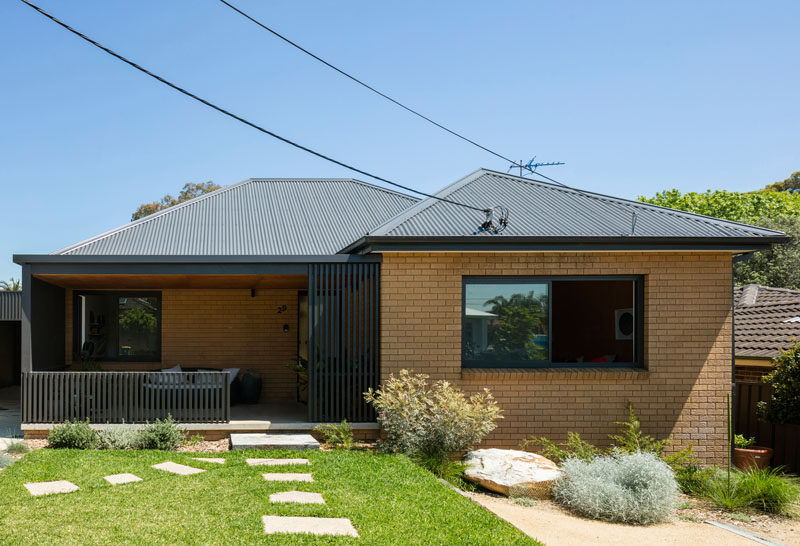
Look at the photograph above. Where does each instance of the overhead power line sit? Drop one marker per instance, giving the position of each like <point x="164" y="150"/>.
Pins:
<point x="487" y="211"/>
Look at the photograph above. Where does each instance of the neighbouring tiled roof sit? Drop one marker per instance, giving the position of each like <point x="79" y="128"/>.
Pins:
<point x="766" y="320"/>
<point x="256" y="217"/>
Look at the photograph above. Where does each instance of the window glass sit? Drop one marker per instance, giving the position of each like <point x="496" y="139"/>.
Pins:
<point x="506" y="322"/>
<point x="117" y="326"/>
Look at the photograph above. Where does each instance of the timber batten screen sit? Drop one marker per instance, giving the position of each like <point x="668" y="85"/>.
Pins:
<point x="343" y="302"/>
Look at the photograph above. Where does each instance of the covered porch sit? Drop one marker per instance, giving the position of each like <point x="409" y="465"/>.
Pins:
<point x="127" y="339"/>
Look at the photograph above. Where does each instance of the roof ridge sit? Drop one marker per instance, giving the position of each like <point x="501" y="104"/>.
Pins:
<point x="351" y="180"/>
<point x="630" y="202"/>
<point x="152" y="217"/>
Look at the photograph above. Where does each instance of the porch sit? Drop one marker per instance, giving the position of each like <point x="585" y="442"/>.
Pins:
<point x="133" y="341"/>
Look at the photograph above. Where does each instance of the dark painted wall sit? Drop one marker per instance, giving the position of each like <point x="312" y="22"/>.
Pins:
<point x="9" y="352"/>
<point x="47" y="328"/>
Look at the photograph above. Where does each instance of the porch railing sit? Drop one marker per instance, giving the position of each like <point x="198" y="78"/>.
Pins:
<point x="125" y="397"/>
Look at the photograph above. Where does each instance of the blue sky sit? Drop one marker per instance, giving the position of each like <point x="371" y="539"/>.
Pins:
<point x="634" y="96"/>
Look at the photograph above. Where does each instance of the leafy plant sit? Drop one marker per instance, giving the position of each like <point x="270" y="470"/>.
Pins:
<point x="163" y="434"/>
<point x="450" y="470"/>
<point x="742" y="442"/>
<point x="337" y="435"/>
<point x="575" y="447"/>
<point x="116" y="437"/>
<point x="17" y="448"/>
<point x="138" y="320"/>
<point x="524" y="501"/>
<point x="12" y="285"/>
<point x="784" y="404"/>
<point x="637" y="488"/>
<point x="73" y="435"/>
<point x="196" y="439"/>
<point x="5" y="460"/>
<point x="764" y="489"/>
<point x="431" y="421"/>
<point x="738" y="516"/>
<point x="631" y="438"/>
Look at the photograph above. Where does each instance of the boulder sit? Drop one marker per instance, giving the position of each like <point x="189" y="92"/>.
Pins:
<point x="511" y="472"/>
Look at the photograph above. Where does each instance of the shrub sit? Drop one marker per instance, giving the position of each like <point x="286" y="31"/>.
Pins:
<point x="431" y="422"/>
<point x="73" y="435"/>
<point x="575" y="447"/>
<point x="5" y="460"/>
<point x="17" y="448"/>
<point x="631" y="439"/>
<point x="784" y="404"/>
<point x="636" y="488"/>
<point x="765" y="489"/>
<point x="742" y="442"/>
<point x="340" y="435"/>
<point x="163" y="435"/>
<point x="117" y="437"/>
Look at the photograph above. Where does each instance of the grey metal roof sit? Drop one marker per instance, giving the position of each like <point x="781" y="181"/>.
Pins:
<point x="10" y="305"/>
<point x="541" y="209"/>
<point x="256" y="217"/>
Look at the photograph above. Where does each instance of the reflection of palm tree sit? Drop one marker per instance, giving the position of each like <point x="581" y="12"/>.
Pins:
<point x="520" y="319"/>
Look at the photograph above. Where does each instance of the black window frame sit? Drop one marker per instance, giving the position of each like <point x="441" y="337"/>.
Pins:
<point x="76" y="320"/>
<point x="638" y="329"/>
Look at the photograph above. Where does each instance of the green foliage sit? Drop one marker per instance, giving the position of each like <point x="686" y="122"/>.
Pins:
<point x="779" y="266"/>
<point x="195" y="439"/>
<point x="518" y="317"/>
<point x="445" y="468"/>
<point x="116" y="437"/>
<point x="637" y="488"/>
<point x="764" y="489"/>
<point x="17" y="448"/>
<point x="431" y="421"/>
<point x="337" y="435"/>
<point x="729" y="205"/>
<point x="164" y="435"/>
<point x="138" y="320"/>
<point x="631" y="438"/>
<point x="784" y="404"/>
<point x="73" y="435"/>
<point x="574" y="447"/>
<point x="791" y="183"/>
<point x="524" y="501"/>
<point x="738" y="516"/>
<point x="190" y="191"/>
<point x="12" y="285"/>
<point x="742" y="442"/>
<point x="5" y="460"/>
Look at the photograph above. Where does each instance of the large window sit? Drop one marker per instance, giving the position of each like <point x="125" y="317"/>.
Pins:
<point x="117" y="326"/>
<point x="513" y="322"/>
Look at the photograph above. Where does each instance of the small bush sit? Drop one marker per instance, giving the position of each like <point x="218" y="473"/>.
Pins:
<point x="117" y="437"/>
<point x="637" y="488"/>
<point x="575" y="447"/>
<point x="433" y="421"/>
<point x="631" y="439"/>
<point x="5" y="460"/>
<point x="784" y="404"/>
<point x="740" y="441"/>
<point x="340" y="435"/>
<point x="764" y="489"/>
<point x="196" y="439"/>
<point x="73" y="435"/>
<point x="163" y="435"/>
<point x="17" y="448"/>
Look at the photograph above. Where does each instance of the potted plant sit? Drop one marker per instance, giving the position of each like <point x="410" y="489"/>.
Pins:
<point x="746" y="455"/>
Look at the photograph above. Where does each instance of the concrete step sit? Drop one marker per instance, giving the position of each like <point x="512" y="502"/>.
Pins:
<point x="273" y="441"/>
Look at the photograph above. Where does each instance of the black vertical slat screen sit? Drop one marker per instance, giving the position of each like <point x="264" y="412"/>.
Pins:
<point x="125" y="397"/>
<point x="343" y="337"/>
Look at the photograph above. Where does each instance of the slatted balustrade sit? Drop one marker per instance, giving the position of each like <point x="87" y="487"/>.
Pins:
<point x="125" y="397"/>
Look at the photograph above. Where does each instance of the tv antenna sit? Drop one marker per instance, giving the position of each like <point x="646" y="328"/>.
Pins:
<point x="530" y="167"/>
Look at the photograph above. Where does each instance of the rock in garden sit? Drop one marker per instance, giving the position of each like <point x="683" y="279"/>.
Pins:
<point x="511" y="472"/>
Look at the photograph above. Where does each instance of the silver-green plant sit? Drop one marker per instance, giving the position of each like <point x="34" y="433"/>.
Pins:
<point x="636" y="488"/>
<point x="116" y="437"/>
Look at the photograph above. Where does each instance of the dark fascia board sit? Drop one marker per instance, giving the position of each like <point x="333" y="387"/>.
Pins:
<point x="179" y="265"/>
<point x="508" y="243"/>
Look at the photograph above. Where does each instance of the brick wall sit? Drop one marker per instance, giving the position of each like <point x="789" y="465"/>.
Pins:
<point x="681" y="394"/>
<point x="221" y="329"/>
<point x="751" y="374"/>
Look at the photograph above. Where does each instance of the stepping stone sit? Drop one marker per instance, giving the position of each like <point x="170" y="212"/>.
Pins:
<point x="48" y="488"/>
<point x="218" y="460"/>
<point x="312" y="526"/>
<point x="176" y="468"/>
<point x="299" y="497"/>
<point x="118" y="479"/>
<point x="273" y="441"/>
<point x="275" y="462"/>
<point x="286" y="477"/>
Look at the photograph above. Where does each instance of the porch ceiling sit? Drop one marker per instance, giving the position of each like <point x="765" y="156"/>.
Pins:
<point x="299" y="282"/>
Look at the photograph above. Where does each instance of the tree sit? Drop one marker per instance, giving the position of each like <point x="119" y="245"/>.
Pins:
<point x="779" y="266"/>
<point x="519" y="319"/>
<point x="790" y="184"/>
<point x="12" y="285"/>
<point x="190" y="191"/>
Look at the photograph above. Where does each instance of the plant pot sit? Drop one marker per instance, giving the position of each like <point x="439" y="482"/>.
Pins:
<point x="755" y="456"/>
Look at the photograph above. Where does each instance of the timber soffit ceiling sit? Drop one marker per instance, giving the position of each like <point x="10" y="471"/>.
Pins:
<point x="256" y="217"/>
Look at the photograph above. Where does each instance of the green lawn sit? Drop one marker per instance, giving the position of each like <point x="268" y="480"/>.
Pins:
<point x="388" y="499"/>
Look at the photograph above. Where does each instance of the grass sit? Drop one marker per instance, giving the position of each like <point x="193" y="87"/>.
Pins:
<point x="767" y="490"/>
<point x="17" y="448"/>
<point x="387" y="497"/>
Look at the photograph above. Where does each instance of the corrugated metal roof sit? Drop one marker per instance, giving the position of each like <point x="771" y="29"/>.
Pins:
<point x="540" y="209"/>
<point x="256" y="217"/>
<point x="10" y="305"/>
